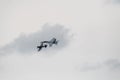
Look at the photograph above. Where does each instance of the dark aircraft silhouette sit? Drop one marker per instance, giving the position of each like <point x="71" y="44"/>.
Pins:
<point x="50" y="43"/>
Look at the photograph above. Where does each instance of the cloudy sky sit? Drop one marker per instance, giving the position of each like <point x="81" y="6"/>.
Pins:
<point x="88" y="34"/>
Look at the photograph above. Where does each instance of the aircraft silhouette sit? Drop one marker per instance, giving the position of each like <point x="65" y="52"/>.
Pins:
<point x="50" y="43"/>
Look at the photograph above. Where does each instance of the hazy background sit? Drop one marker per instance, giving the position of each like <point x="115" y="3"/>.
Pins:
<point x="88" y="31"/>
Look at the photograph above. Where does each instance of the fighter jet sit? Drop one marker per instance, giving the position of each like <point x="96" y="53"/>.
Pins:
<point x="50" y="43"/>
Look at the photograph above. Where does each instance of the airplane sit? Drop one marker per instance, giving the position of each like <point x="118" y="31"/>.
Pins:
<point x="51" y="42"/>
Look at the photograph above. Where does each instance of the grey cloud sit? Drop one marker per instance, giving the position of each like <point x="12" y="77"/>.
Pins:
<point x="113" y="1"/>
<point x="28" y="43"/>
<point x="88" y="67"/>
<point x="111" y="64"/>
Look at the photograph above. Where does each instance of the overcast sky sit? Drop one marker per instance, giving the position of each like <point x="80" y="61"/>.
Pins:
<point x="88" y="31"/>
